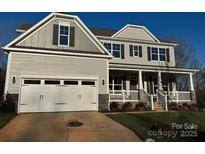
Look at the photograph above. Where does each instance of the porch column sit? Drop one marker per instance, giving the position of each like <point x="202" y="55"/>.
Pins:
<point x="141" y="91"/>
<point x="159" y="81"/>
<point x="140" y="80"/>
<point x="192" y="91"/>
<point x="191" y="82"/>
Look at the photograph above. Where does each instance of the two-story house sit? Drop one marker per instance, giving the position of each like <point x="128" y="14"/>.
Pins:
<point x="59" y="64"/>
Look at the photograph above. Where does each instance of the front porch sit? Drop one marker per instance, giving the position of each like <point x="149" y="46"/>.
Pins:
<point x="155" y="88"/>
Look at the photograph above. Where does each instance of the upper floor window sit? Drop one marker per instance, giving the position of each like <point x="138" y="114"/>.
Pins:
<point x="64" y="35"/>
<point x="114" y="49"/>
<point x="159" y="54"/>
<point x="162" y="54"/>
<point x="108" y="46"/>
<point x="154" y="53"/>
<point x="116" y="52"/>
<point x="135" y="50"/>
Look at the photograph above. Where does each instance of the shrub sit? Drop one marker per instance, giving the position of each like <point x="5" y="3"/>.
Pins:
<point x="186" y="107"/>
<point x="7" y="104"/>
<point x="193" y="107"/>
<point x="174" y="106"/>
<point x="128" y="106"/>
<point x="141" y="106"/>
<point x="116" y="107"/>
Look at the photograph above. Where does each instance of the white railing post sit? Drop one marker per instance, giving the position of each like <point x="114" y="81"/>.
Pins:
<point x="152" y="103"/>
<point x="177" y="96"/>
<point x="166" y="107"/>
<point x="123" y="95"/>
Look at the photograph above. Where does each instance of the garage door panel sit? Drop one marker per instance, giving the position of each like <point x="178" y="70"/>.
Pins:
<point x="50" y="98"/>
<point x="30" y="98"/>
<point x="69" y="97"/>
<point x="88" y="97"/>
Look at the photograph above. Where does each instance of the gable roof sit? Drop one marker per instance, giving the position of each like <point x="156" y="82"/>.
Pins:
<point x="135" y="26"/>
<point x="30" y="29"/>
<point x="96" y="31"/>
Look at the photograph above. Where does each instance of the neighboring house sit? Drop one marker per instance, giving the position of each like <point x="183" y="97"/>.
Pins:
<point x="59" y="64"/>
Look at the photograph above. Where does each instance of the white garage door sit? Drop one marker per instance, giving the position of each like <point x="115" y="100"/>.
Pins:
<point x="58" y="95"/>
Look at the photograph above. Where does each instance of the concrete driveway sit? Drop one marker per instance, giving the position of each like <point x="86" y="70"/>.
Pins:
<point x="51" y="127"/>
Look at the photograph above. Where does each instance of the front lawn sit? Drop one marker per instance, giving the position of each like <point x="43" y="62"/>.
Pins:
<point x="165" y="126"/>
<point x="5" y="118"/>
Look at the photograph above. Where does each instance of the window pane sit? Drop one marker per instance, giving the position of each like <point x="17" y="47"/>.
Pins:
<point x="52" y="82"/>
<point x="116" y="54"/>
<point x="88" y="83"/>
<point x="135" y="47"/>
<point x="154" y="57"/>
<point x="70" y="82"/>
<point x="108" y="46"/>
<point x="116" y="47"/>
<point x="32" y="82"/>
<point x="64" y="40"/>
<point x="135" y="53"/>
<point x="162" y="58"/>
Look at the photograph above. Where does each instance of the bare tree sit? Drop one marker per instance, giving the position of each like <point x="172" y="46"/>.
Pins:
<point x="7" y="33"/>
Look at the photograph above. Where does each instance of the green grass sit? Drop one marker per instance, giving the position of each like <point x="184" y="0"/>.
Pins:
<point x="5" y="118"/>
<point x="143" y="123"/>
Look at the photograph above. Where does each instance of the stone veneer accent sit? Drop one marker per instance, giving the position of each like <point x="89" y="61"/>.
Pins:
<point x="103" y="102"/>
<point x="193" y="97"/>
<point x="142" y="96"/>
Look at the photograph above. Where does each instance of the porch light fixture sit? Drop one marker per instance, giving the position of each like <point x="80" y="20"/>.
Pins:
<point x="13" y="79"/>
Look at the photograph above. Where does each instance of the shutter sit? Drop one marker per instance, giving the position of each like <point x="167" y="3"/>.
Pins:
<point x="72" y="37"/>
<point x="167" y="54"/>
<point x="140" y="51"/>
<point x="122" y="51"/>
<point x="131" y="50"/>
<point x="149" y="53"/>
<point x="55" y="34"/>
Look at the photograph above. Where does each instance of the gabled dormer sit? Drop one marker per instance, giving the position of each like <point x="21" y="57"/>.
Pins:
<point x="135" y="32"/>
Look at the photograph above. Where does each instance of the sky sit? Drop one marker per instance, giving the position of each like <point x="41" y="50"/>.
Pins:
<point x="187" y="26"/>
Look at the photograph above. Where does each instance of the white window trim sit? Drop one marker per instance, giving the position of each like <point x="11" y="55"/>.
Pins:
<point x="133" y="50"/>
<point x="68" y="25"/>
<point x="159" y="55"/>
<point x="112" y="49"/>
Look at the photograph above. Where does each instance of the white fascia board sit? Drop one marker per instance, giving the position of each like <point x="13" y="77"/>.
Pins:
<point x="153" y="68"/>
<point x="54" y="52"/>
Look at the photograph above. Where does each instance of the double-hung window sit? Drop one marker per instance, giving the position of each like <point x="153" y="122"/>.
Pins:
<point x="155" y="54"/>
<point x="114" y="49"/>
<point x="162" y="54"/>
<point x="116" y="52"/>
<point x="64" y="35"/>
<point x="136" y="50"/>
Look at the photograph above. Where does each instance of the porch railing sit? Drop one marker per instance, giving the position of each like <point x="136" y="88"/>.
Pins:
<point x="149" y="100"/>
<point x="162" y="99"/>
<point x="123" y="95"/>
<point x="179" y="96"/>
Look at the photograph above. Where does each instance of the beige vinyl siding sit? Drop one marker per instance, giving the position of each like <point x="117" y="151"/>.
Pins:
<point x="44" y="65"/>
<point x="43" y="38"/>
<point x="144" y="59"/>
<point x="135" y="33"/>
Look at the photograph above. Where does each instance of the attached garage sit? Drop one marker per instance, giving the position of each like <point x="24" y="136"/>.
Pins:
<point x="54" y="95"/>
